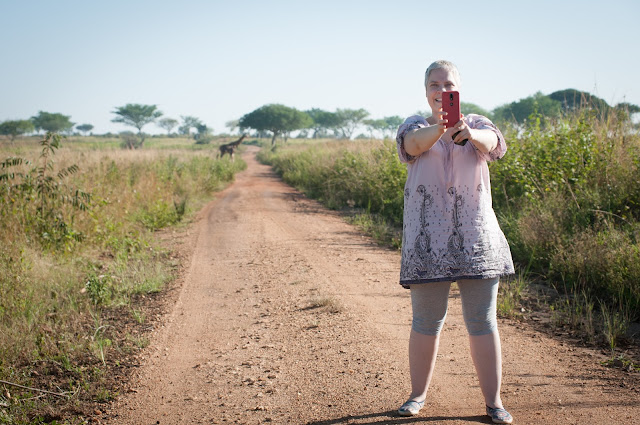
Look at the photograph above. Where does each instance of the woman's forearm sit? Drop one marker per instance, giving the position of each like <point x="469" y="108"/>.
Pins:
<point x="421" y="140"/>
<point x="485" y="140"/>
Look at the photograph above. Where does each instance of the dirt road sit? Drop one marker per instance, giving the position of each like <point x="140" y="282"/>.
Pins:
<point x="286" y="314"/>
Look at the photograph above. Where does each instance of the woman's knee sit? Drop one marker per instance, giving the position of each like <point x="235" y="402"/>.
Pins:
<point x="429" y="303"/>
<point x="479" y="298"/>
<point x="427" y="326"/>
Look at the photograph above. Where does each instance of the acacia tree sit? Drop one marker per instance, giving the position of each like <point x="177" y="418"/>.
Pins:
<point x="167" y="124"/>
<point x="375" y="125"/>
<point x="136" y="115"/>
<point x="85" y="128"/>
<point x="188" y="122"/>
<point x="323" y="121"/>
<point x="16" y="128"/>
<point x="276" y="118"/>
<point x="393" y="122"/>
<point x="349" y="119"/>
<point x="232" y="125"/>
<point x="52" y="122"/>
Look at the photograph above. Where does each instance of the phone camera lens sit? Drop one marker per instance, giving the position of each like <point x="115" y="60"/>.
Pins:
<point x="451" y="96"/>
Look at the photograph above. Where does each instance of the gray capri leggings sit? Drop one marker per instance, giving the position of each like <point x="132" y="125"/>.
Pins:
<point x="430" y="300"/>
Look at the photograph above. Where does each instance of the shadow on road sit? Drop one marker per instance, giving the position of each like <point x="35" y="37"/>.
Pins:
<point x="391" y="417"/>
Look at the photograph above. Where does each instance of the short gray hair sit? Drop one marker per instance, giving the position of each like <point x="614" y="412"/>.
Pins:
<point x="442" y="64"/>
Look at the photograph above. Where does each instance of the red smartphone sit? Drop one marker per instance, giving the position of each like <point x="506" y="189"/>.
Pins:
<point x="451" y="105"/>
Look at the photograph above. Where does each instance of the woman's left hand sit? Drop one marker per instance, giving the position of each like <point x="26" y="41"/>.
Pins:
<point x="461" y="132"/>
<point x="485" y="140"/>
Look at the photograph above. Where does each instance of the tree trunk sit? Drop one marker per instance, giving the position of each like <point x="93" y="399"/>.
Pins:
<point x="141" y="135"/>
<point x="273" y="139"/>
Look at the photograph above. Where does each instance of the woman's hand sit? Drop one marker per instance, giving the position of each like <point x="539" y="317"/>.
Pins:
<point x="421" y="140"/>
<point x="461" y="132"/>
<point x="440" y="121"/>
<point x="485" y="140"/>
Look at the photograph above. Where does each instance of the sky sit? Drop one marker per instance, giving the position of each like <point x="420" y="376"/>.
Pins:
<point x="218" y="60"/>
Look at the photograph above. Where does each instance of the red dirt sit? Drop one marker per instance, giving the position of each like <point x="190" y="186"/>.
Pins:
<point x="286" y="314"/>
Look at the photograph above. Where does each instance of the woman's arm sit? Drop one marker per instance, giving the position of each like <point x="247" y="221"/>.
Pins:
<point x="484" y="139"/>
<point x="420" y="140"/>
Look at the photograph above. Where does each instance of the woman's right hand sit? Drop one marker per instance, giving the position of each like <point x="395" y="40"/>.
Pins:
<point x="421" y="140"/>
<point x="441" y="121"/>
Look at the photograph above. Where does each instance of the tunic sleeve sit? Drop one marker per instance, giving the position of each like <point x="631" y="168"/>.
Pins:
<point x="411" y="123"/>
<point x="483" y="123"/>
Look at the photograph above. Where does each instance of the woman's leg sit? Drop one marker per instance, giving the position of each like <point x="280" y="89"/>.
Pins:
<point x="423" y="350"/>
<point x="487" y="358"/>
<point x="479" y="299"/>
<point x="429" y="304"/>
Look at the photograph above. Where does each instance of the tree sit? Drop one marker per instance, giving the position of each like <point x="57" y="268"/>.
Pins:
<point x="629" y="107"/>
<point x="626" y="110"/>
<point x="323" y="121"/>
<point x="167" y="124"/>
<point x="136" y="115"/>
<point x="572" y="99"/>
<point x="393" y="122"/>
<point x="349" y="119"/>
<point x="386" y="126"/>
<point x="203" y="135"/>
<point x="52" y="122"/>
<point x="232" y="125"/>
<point x="188" y="122"/>
<point x="16" y="128"/>
<point x="375" y="125"/>
<point x="85" y="128"/>
<point x="519" y="111"/>
<point x="467" y="108"/>
<point x="278" y="119"/>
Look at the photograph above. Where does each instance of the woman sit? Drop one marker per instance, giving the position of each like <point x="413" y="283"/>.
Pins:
<point x="451" y="234"/>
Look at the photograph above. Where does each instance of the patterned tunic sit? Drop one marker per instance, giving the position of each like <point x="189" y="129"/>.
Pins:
<point x="450" y="230"/>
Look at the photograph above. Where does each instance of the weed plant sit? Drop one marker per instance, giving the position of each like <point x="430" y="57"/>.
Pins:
<point x="77" y="235"/>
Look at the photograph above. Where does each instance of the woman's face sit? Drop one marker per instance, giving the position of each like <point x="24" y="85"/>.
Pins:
<point x="440" y="80"/>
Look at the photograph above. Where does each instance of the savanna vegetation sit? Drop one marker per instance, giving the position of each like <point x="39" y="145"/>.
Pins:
<point x="81" y="256"/>
<point x="80" y="218"/>
<point x="566" y="194"/>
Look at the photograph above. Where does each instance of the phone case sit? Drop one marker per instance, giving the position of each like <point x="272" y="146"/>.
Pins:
<point x="451" y="105"/>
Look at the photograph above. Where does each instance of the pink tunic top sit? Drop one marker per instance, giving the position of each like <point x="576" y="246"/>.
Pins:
<point x="450" y="230"/>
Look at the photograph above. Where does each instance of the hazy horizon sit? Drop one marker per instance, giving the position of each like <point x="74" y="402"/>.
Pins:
<point x="218" y="60"/>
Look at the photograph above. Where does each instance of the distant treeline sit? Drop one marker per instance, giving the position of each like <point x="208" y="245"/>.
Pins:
<point x="275" y="120"/>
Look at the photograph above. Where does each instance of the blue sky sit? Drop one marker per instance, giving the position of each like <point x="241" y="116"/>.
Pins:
<point x="218" y="60"/>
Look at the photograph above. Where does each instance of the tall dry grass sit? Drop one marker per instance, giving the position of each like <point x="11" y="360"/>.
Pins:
<point x="63" y="267"/>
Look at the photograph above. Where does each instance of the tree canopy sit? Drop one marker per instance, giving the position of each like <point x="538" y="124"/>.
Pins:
<point x="572" y="99"/>
<point x="276" y="118"/>
<point x="560" y="102"/>
<point x="471" y="108"/>
<point x="323" y="121"/>
<point x="53" y="122"/>
<point x="16" y="128"/>
<point x="136" y="115"/>
<point x="519" y="111"/>
<point x="85" y="128"/>
<point x="349" y="119"/>
<point x="188" y="122"/>
<point x="167" y="124"/>
<point x="232" y="125"/>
